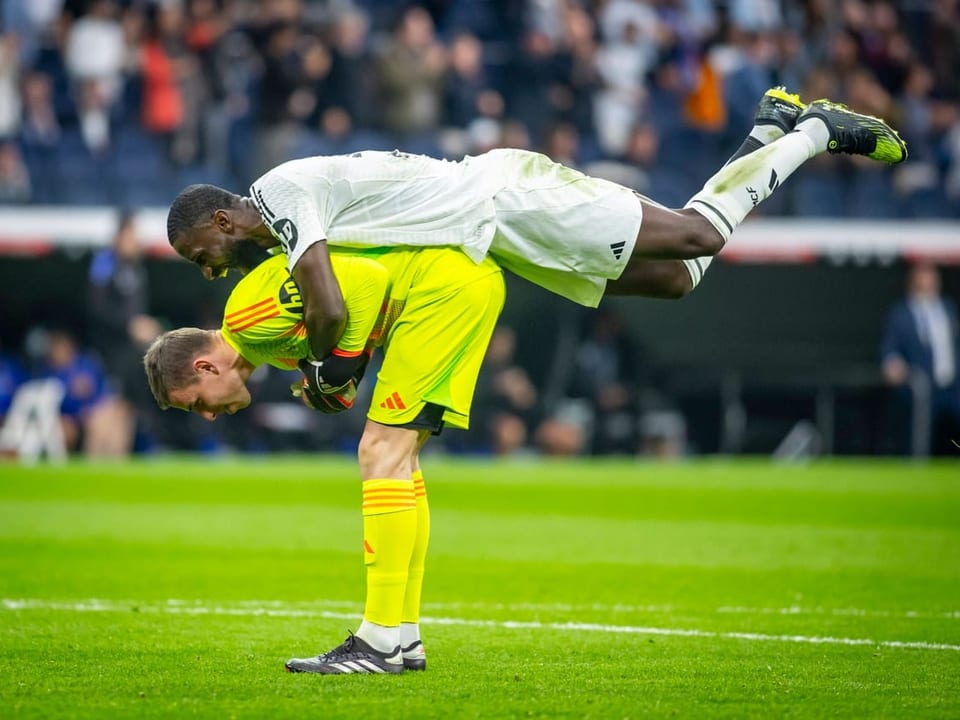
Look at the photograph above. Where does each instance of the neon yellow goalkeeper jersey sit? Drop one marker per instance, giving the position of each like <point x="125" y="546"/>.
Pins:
<point x="263" y="318"/>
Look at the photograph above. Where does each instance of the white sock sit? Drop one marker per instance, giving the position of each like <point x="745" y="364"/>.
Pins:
<point x="766" y="134"/>
<point x="737" y="188"/>
<point x="760" y="136"/>
<point x="697" y="267"/>
<point x="816" y="130"/>
<point x="379" y="637"/>
<point x="409" y="633"/>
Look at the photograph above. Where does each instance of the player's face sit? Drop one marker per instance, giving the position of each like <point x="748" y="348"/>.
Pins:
<point x="208" y="247"/>
<point x="215" y="252"/>
<point x="213" y="394"/>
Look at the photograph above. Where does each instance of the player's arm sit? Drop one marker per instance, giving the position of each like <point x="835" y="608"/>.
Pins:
<point x="364" y="283"/>
<point x="295" y="216"/>
<point x="324" y="313"/>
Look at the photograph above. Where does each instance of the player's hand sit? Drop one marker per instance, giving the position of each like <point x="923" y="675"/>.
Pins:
<point x="328" y="403"/>
<point x="317" y="394"/>
<point x="314" y="380"/>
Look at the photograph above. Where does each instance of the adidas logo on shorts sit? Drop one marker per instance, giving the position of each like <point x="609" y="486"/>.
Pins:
<point x="394" y="402"/>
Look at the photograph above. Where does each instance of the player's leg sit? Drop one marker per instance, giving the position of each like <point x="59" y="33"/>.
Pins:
<point x="744" y="183"/>
<point x="737" y="188"/>
<point x="663" y="279"/>
<point x="389" y="528"/>
<point x="775" y="116"/>
<point x="411" y="644"/>
<point x="389" y="534"/>
<point x="429" y="372"/>
<point x="438" y="392"/>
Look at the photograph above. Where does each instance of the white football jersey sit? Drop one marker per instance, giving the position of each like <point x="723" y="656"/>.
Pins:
<point x="547" y="223"/>
<point x="373" y="198"/>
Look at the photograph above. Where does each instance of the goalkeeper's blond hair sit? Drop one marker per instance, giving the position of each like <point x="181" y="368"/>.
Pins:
<point x="168" y="361"/>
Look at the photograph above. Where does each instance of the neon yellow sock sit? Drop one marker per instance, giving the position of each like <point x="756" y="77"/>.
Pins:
<point x="389" y="531"/>
<point x="411" y="599"/>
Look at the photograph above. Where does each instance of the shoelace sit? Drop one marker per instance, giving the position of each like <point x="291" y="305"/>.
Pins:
<point x="344" y="648"/>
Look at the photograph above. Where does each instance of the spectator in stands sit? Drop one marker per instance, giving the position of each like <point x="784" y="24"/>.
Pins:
<point x="12" y="375"/>
<point x="39" y="135"/>
<point x="468" y="92"/>
<point x="94" y="420"/>
<point x="9" y="82"/>
<point x="120" y="327"/>
<point x="95" y="51"/>
<point x="920" y="351"/>
<point x="625" y="57"/>
<point x="162" y="110"/>
<point x="562" y="144"/>
<point x="410" y="72"/>
<point x="40" y="125"/>
<point x="582" y="48"/>
<point x="284" y="100"/>
<point x="606" y="374"/>
<point x="351" y="86"/>
<point x="537" y="89"/>
<point x="14" y="178"/>
<point x="505" y="402"/>
<point x="93" y="115"/>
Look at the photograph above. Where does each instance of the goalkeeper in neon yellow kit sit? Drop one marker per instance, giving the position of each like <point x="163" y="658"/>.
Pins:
<point x="433" y="311"/>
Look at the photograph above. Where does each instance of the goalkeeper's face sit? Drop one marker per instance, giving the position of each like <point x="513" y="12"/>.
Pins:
<point x="216" y="391"/>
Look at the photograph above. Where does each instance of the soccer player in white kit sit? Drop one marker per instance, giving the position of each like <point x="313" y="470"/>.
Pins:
<point x="575" y="235"/>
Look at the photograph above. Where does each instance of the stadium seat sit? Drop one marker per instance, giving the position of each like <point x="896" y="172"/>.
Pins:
<point x="82" y="178"/>
<point x="141" y="169"/>
<point x="819" y="194"/>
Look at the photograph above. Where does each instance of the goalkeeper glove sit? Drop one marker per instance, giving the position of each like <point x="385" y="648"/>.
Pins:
<point x="330" y="385"/>
<point x="323" y="396"/>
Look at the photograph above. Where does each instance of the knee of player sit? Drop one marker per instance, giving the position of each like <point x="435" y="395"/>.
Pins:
<point x="368" y="450"/>
<point x="679" y="287"/>
<point x="700" y="237"/>
<point x="380" y="456"/>
<point x="705" y="240"/>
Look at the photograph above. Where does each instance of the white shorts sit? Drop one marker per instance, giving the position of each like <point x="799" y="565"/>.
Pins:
<point x="561" y="229"/>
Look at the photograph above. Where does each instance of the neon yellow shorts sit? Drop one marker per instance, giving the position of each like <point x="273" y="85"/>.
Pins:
<point x="434" y="349"/>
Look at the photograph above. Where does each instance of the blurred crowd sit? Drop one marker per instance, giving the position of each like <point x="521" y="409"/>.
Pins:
<point x="122" y="102"/>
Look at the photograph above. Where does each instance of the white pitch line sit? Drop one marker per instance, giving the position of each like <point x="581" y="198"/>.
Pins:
<point x="624" y="608"/>
<point x="724" y="610"/>
<point x="180" y="607"/>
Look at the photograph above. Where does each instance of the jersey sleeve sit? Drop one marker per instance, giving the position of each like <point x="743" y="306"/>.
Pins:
<point x="363" y="283"/>
<point x="292" y="213"/>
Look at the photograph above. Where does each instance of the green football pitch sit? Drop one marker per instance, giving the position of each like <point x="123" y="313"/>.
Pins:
<point x="177" y="588"/>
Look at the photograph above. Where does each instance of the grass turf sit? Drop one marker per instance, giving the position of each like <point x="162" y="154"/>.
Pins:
<point x="177" y="588"/>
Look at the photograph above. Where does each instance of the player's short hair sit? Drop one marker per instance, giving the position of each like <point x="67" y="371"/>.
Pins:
<point x="196" y="203"/>
<point x="168" y="361"/>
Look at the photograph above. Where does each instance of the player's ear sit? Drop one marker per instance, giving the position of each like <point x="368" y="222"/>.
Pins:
<point x="202" y="365"/>
<point x="223" y="220"/>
